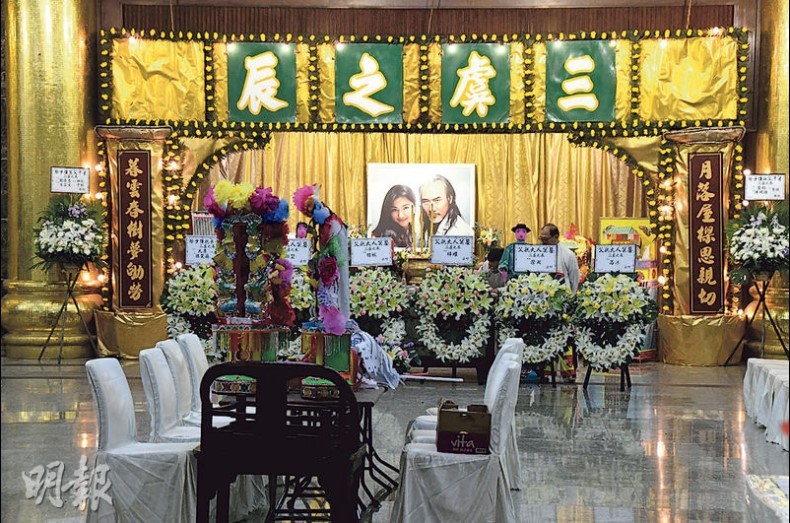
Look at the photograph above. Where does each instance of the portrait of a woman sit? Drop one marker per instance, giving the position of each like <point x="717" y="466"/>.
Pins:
<point x="397" y="212"/>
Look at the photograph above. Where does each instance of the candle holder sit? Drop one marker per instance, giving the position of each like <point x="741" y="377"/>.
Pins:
<point x="416" y="266"/>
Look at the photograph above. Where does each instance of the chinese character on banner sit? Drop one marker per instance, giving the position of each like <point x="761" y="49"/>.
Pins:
<point x="135" y="268"/>
<point x="706" y="262"/>
<point x="580" y="81"/>
<point x="262" y="82"/>
<point x="475" y="83"/>
<point x="369" y="83"/>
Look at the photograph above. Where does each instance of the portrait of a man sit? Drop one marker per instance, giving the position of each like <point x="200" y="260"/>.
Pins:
<point x="405" y="201"/>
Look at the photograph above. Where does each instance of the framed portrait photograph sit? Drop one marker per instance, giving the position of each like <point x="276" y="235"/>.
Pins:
<point x="408" y="201"/>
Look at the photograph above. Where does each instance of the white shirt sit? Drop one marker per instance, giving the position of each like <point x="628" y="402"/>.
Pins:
<point x="459" y="228"/>
<point x="568" y="265"/>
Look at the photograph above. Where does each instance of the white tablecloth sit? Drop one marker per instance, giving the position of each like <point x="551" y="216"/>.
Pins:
<point x="766" y="396"/>
<point x="767" y="498"/>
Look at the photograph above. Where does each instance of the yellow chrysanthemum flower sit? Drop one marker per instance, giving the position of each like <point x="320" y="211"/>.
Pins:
<point x="223" y="191"/>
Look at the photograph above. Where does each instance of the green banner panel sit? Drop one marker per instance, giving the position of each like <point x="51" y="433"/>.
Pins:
<point x="368" y="83"/>
<point x="475" y="83"/>
<point x="262" y="82"/>
<point x="580" y="81"/>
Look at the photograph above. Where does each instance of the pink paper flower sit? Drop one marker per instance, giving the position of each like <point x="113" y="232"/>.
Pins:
<point x="258" y="199"/>
<point x="327" y="270"/>
<point x="334" y="320"/>
<point x="211" y="205"/>
<point x="301" y="196"/>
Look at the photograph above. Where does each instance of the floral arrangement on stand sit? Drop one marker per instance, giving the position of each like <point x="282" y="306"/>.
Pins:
<point x="455" y="303"/>
<point x="330" y="262"/>
<point x="487" y="237"/>
<point x="609" y="319"/>
<point x="71" y="234"/>
<point x="190" y="300"/>
<point x="758" y="241"/>
<point x="379" y="300"/>
<point x="535" y="307"/>
<point x="254" y="277"/>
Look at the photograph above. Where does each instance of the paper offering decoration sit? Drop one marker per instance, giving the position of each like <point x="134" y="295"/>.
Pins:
<point x="75" y="180"/>
<point x="761" y="187"/>
<point x="371" y="252"/>
<point x="200" y="249"/>
<point x="615" y="258"/>
<point x="202" y="223"/>
<point x="535" y="258"/>
<point x="298" y="251"/>
<point x="453" y="250"/>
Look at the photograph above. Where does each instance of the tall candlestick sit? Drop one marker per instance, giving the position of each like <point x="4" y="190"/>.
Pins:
<point x="413" y="230"/>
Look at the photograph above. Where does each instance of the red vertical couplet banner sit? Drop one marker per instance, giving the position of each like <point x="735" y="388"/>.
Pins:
<point x="134" y="230"/>
<point x="706" y="222"/>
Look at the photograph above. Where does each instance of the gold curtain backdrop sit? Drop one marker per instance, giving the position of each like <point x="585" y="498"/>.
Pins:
<point x="530" y="178"/>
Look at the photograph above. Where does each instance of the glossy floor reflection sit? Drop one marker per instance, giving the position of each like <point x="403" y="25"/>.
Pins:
<point x="674" y="448"/>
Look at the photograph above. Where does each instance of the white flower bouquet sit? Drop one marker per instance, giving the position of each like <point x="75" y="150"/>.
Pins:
<point x="191" y="290"/>
<point x="71" y="233"/>
<point x="535" y="307"/>
<point x="377" y="293"/>
<point x="488" y="237"/>
<point x="758" y="241"/>
<point x="190" y="302"/>
<point x="302" y="293"/>
<point x="610" y="314"/>
<point x="455" y="305"/>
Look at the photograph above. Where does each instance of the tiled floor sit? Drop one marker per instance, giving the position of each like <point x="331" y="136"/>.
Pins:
<point x="674" y="448"/>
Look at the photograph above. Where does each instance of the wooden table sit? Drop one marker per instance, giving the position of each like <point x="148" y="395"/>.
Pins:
<point x="379" y="479"/>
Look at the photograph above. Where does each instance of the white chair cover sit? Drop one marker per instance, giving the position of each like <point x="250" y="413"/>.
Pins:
<point x="160" y="393"/>
<point x="198" y="364"/>
<point x="439" y="487"/>
<point x="495" y="376"/>
<point x="179" y="368"/>
<point x="149" y="482"/>
<point x="510" y="346"/>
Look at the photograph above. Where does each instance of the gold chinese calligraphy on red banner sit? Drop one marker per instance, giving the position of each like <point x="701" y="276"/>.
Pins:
<point x="706" y="218"/>
<point x="134" y="231"/>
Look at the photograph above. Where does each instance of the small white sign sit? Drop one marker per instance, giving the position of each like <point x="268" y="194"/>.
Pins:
<point x="298" y="251"/>
<point x="535" y="258"/>
<point x="200" y="249"/>
<point x="371" y="251"/>
<point x="453" y="250"/>
<point x="615" y="258"/>
<point x="74" y="180"/>
<point x="758" y="187"/>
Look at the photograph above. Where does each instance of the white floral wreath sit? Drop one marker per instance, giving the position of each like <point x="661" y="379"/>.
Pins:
<point x="609" y="356"/>
<point x="554" y="345"/>
<point x="468" y="348"/>
<point x="393" y="331"/>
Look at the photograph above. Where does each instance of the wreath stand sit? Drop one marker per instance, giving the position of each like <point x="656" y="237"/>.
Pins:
<point x="72" y="274"/>
<point x="541" y="366"/>
<point x="757" y="279"/>
<point x="625" y="377"/>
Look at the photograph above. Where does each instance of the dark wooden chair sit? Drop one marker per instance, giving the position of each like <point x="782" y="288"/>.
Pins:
<point x="280" y="437"/>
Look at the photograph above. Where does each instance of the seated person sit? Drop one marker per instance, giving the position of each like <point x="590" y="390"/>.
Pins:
<point x="490" y="268"/>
